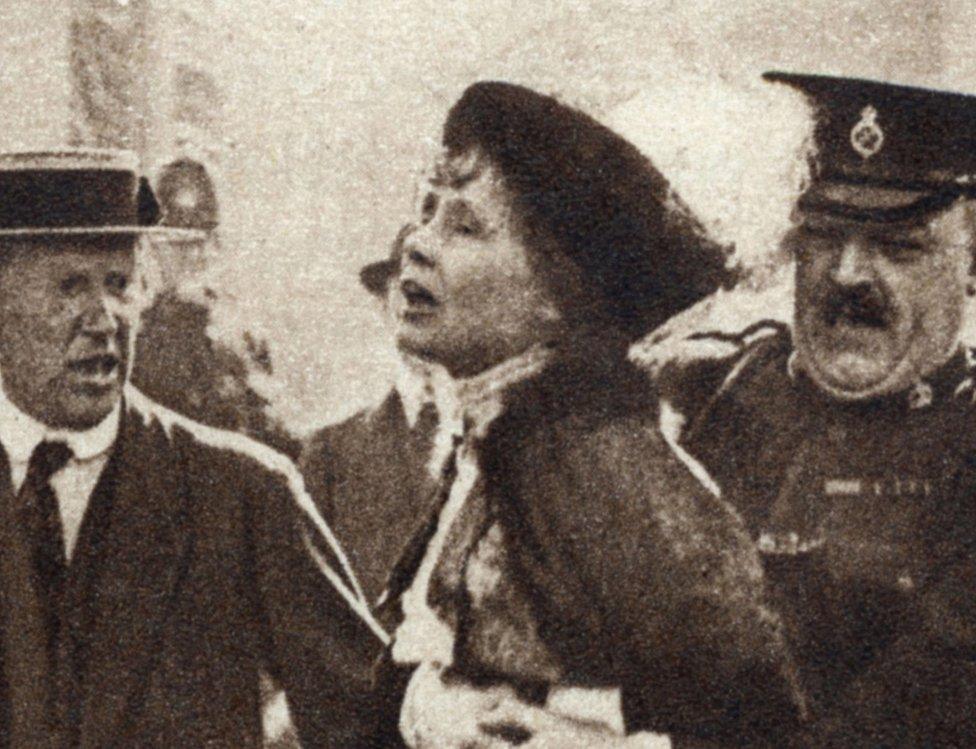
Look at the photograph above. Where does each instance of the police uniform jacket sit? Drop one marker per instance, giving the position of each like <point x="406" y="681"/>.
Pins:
<point x="616" y="568"/>
<point x="190" y="574"/>
<point x="865" y="519"/>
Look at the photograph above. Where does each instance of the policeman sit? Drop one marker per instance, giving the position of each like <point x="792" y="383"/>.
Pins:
<point x="849" y="445"/>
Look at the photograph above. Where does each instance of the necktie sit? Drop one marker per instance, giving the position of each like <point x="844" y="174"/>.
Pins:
<point x="426" y="423"/>
<point x="42" y="519"/>
<point x="32" y="573"/>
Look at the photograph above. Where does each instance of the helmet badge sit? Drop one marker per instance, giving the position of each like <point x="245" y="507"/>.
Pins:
<point x="867" y="136"/>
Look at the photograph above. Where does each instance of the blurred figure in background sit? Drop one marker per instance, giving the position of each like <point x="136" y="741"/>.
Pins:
<point x="370" y="474"/>
<point x="177" y="361"/>
<point x="182" y="367"/>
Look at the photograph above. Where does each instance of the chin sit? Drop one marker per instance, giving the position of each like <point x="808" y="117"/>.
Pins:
<point x="852" y="363"/>
<point x="850" y="376"/>
<point x="86" y="411"/>
<point x="423" y="347"/>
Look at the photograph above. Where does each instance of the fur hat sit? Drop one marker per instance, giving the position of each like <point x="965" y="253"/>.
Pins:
<point x="636" y="246"/>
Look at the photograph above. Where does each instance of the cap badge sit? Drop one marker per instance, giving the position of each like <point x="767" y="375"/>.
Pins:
<point x="920" y="396"/>
<point x="867" y="136"/>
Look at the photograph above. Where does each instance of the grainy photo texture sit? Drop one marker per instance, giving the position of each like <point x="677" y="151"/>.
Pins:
<point x="470" y="375"/>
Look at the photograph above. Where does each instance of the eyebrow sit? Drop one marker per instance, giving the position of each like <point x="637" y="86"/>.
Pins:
<point x="451" y="172"/>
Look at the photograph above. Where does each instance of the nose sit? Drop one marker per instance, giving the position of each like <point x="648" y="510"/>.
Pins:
<point x="853" y="264"/>
<point x="420" y="246"/>
<point x="98" y="319"/>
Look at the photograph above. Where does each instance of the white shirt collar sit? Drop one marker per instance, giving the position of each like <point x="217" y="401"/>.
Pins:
<point x="415" y="386"/>
<point x="20" y="433"/>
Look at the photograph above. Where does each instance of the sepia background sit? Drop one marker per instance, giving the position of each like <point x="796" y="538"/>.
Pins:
<point x="313" y="118"/>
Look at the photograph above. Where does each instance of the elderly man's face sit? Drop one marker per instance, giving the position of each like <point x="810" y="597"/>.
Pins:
<point x="65" y="320"/>
<point x="879" y="307"/>
<point x="467" y="297"/>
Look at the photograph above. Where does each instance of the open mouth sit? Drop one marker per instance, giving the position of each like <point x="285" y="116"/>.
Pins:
<point x="417" y="296"/>
<point x="98" y="366"/>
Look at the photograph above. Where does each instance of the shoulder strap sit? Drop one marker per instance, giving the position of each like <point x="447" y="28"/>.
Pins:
<point x="754" y="357"/>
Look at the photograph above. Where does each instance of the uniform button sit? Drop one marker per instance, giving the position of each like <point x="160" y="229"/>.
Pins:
<point x="920" y="396"/>
<point x="837" y="433"/>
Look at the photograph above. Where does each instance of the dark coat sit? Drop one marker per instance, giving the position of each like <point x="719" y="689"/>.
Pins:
<point x="635" y="575"/>
<point x="370" y="478"/>
<point x="865" y="518"/>
<point x="191" y="575"/>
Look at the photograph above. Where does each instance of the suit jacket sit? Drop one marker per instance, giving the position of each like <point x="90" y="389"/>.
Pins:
<point x="369" y="475"/>
<point x="634" y="575"/>
<point x="190" y="575"/>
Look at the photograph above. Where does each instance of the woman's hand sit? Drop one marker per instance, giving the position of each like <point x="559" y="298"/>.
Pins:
<point x="551" y="730"/>
<point x="444" y="713"/>
<point x="439" y="713"/>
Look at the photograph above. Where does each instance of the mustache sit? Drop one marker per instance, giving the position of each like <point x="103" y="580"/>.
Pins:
<point x="863" y="305"/>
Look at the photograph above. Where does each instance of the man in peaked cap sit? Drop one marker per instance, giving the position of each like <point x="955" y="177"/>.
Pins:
<point x="152" y="566"/>
<point x="847" y="444"/>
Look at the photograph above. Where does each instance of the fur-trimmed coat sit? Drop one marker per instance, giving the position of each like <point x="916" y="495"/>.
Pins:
<point x="634" y="574"/>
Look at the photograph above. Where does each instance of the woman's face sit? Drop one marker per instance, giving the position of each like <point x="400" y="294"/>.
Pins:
<point x="467" y="296"/>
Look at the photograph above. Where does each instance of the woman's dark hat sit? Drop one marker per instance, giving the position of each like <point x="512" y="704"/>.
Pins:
<point x="609" y="210"/>
<point x="77" y="192"/>
<point x="885" y="152"/>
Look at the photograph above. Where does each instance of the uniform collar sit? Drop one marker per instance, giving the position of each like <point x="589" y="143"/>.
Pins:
<point x="21" y="433"/>
<point x="951" y="380"/>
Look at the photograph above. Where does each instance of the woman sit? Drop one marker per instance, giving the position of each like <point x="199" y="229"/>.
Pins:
<point x="574" y="559"/>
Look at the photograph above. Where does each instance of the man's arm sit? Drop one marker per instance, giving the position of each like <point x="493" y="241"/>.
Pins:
<point x="922" y="690"/>
<point x="321" y="638"/>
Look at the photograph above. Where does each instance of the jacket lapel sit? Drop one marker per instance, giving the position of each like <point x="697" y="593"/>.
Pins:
<point x="134" y="565"/>
<point x="406" y="566"/>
